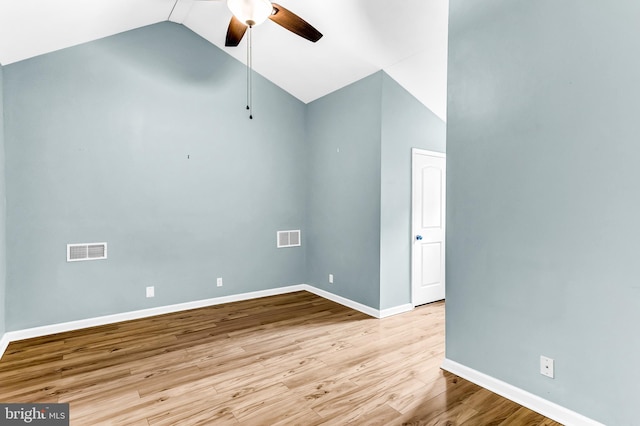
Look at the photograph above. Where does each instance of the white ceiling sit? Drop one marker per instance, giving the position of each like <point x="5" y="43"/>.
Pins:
<point x="406" y="38"/>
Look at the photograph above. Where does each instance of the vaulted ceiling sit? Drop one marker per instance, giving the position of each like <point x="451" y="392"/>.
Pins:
<point x="405" y="38"/>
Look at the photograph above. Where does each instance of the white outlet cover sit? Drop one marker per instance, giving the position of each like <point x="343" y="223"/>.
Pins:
<point x="219" y="282"/>
<point x="546" y="366"/>
<point x="330" y="278"/>
<point x="151" y="291"/>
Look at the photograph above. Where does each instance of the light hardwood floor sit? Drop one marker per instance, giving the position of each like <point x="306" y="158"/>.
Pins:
<point x="281" y="360"/>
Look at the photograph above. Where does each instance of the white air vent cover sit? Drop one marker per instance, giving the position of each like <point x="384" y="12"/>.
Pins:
<point x="90" y="251"/>
<point x="289" y="238"/>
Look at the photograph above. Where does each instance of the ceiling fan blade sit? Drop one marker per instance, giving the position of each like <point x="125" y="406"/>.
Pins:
<point x="294" y="23"/>
<point x="235" y="32"/>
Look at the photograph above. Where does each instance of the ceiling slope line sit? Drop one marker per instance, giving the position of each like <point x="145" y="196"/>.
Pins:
<point x="180" y="10"/>
<point x="172" y="9"/>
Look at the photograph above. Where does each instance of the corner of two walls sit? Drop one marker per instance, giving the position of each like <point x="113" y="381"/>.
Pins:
<point x="142" y="140"/>
<point x="359" y="199"/>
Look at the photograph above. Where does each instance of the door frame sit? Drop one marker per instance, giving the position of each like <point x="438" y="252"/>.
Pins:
<point x="414" y="153"/>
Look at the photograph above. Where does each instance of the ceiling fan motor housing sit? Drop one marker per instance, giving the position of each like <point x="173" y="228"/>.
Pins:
<point x="250" y="12"/>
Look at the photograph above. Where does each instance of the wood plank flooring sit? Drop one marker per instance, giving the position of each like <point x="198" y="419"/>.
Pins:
<point x="294" y="359"/>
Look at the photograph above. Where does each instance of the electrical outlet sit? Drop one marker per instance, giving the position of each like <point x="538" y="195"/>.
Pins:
<point x="219" y="282"/>
<point x="330" y="278"/>
<point x="546" y="366"/>
<point x="151" y="291"/>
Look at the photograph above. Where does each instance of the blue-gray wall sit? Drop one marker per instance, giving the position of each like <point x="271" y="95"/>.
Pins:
<point x="142" y="140"/>
<point x="3" y="221"/>
<point x="543" y="205"/>
<point x="343" y="200"/>
<point x="359" y="201"/>
<point x="97" y="143"/>
<point x="406" y="124"/>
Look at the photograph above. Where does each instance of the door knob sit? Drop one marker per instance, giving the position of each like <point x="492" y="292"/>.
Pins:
<point x="418" y="237"/>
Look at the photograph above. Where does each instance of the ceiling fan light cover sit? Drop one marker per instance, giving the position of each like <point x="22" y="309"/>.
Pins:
<point x="250" y="12"/>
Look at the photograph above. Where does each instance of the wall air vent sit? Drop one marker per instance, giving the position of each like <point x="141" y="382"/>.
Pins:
<point x="91" y="251"/>
<point x="289" y="238"/>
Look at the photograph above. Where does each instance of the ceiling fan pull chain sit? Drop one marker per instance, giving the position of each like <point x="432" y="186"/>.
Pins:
<point x="250" y="72"/>
<point x="249" y="13"/>
<point x="248" y="54"/>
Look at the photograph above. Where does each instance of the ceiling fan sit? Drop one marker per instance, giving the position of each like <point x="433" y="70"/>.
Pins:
<point x="246" y="14"/>
<point x="249" y="13"/>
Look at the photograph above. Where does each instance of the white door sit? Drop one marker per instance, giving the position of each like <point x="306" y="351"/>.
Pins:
<point x="428" y="225"/>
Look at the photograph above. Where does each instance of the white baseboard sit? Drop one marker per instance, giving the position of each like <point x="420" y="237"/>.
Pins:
<point x="343" y="301"/>
<point x="12" y="336"/>
<point x="540" y="405"/>
<point x="396" y="310"/>
<point x="376" y="313"/>
<point x="29" y="333"/>
<point x="4" y="342"/>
